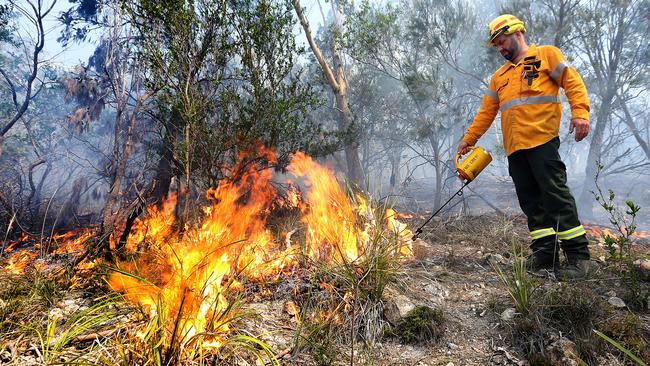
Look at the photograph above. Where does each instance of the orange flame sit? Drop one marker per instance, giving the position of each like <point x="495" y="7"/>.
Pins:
<point x="598" y="232"/>
<point x="17" y="263"/>
<point x="73" y="246"/>
<point x="328" y="213"/>
<point x="192" y="272"/>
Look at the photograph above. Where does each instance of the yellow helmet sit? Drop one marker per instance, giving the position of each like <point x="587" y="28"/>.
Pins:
<point x="504" y="24"/>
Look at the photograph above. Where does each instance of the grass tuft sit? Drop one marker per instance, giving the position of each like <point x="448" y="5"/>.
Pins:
<point x="519" y="284"/>
<point x="422" y="325"/>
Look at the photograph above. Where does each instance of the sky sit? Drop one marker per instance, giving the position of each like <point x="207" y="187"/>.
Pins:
<point x="76" y="53"/>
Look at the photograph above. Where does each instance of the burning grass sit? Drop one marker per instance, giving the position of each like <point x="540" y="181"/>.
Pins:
<point x="190" y="282"/>
<point x="193" y="275"/>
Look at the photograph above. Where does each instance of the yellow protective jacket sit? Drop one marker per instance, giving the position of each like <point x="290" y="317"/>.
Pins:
<point x="527" y="94"/>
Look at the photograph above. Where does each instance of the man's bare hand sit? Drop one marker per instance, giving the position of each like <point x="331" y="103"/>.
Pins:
<point x="581" y="127"/>
<point x="463" y="148"/>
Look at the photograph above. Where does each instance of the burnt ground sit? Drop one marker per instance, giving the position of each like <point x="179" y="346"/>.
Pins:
<point x="452" y="272"/>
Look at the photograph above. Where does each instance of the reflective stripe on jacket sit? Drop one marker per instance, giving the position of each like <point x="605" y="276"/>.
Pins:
<point x="527" y="94"/>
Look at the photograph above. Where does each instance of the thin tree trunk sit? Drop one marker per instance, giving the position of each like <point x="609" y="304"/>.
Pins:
<point x="437" y="198"/>
<point x="395" y="177"/>
<point x="32" y="187"/>
<point x="629" y="121"/>
<point x="339" y="86"/>
<point x="595" y="148"/>
<point x="36" y="202"/>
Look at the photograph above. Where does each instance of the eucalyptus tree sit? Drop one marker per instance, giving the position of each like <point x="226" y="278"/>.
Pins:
<point x="337" y="78"/>
<point x="26" y="127"/>
<point x="24" y="86"/>
<point x="223" y="77"/>
<point x="192" y="85"/>
<point x="614" y="40"/>
<point x="378" y="102"/>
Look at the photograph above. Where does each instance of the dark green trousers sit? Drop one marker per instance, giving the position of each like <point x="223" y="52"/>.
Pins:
<point x="540" y="180"/>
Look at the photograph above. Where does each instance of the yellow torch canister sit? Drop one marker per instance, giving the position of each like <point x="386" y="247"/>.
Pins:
<point x="475" y="162"/>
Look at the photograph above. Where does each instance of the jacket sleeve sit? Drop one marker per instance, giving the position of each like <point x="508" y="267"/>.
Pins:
<point x="485" y="116"/>
<point x="568" y="78"/>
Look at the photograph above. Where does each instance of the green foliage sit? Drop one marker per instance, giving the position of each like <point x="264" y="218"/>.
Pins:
<point x="570" y="308"/>
<point x="23" y="297"/>
<point x="166" y="342"/>
<point x="629" y="331"/>
<point x="226" y="80"/>
<point x="52" y="340"/>
<point x="344" y="299"/>
<point x="409" y="55"/>
<point x="5" y="29"/>
<point x="420" y="325"/>
<point x="626" y="351"/>
<point x="319" y="337"/>
<point x="519" y="284"/>
<point x="619" y="247"/>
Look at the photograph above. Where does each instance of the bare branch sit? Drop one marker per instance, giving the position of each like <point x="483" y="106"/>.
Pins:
<point x="314" y="47"/>
<point x="38" y="48"/>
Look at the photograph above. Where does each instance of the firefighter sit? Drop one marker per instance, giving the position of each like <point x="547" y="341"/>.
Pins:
<point x="526" y="92"/>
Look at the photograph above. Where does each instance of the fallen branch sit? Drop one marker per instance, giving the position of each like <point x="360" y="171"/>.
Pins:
<point x="96" y="335"/>
<point x="284" y="353"/>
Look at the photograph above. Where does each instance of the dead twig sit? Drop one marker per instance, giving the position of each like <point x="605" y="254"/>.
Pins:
<point x="95" y="335"/>
<point x="284" y="352"/>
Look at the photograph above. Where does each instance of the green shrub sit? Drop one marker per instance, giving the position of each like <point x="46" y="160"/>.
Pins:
<point x="420" y="325"/>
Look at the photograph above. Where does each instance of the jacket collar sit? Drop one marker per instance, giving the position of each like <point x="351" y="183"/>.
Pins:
<point x="532" y="50"/>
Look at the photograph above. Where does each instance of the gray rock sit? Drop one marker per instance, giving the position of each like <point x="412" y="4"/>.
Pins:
<point x="493" y="258"/>
<point x="610" y="293"/>
<point x="396" y="306"/>
<point x="616" y="302"/>
<point x="508" y="314"/>
<point x="562" y="351"/>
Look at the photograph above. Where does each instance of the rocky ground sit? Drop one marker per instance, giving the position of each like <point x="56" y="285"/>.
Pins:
<point x="453" y="271"/>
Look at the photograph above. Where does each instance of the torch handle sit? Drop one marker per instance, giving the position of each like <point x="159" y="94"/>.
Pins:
<point x="458" y="193"/>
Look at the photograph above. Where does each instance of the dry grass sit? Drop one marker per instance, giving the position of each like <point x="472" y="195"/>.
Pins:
<point x="343" y="303"/>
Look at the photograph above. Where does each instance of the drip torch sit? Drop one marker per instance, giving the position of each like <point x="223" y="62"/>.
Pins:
<point x="467" y="170"/>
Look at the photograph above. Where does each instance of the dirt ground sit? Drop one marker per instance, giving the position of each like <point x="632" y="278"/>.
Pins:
<point x="452" y="272"/>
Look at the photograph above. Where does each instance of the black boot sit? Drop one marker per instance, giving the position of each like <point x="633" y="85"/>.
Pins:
<point x="578" y="265"/>
<point x="545" y="255"/>
<point x="575" y="269"/>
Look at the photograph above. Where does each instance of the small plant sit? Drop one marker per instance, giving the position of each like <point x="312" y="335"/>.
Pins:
<point x="569" y="310"/>
<point x="519" y="284"/>
<point x="52" y="340"/>
<point x="420" y="325"/>
<point x="347" y="294"/>
<point x="572" y="309"/>
<point x="620" y="246"/>
<point x="169" y="341"/>
<point x="629" y="330"/>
